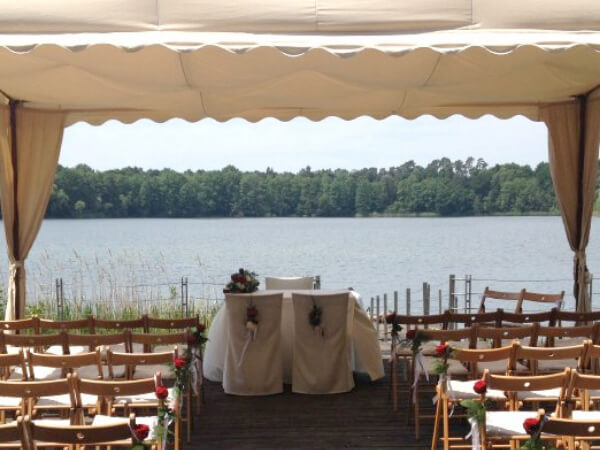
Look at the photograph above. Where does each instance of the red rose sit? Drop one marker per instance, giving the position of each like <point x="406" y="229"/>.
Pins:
<point x="179" y="363"/>
<point x="411" y="334"/>
<point x="161" y="392"/>
<point x="201" y="328"/>
<point x="252" y="312"/>
<point x="441" y="350"/>
<point x="141" y="431"/>
<point x="531" y="425"/>
<point x="480" y="387"/>
<point x="192" y="340"/>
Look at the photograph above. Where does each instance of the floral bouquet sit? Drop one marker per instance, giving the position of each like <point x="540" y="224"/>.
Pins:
<point x="242" y="282"/>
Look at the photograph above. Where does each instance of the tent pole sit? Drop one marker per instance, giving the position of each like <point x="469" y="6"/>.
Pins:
<point x="578" y="288"/>
<point x="13" y="104"/>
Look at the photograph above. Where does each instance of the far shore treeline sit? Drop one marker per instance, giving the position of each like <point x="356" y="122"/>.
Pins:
<point x="444" y="187"/>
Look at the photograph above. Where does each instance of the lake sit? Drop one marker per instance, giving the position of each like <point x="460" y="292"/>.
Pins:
<point x="142" y="257"/>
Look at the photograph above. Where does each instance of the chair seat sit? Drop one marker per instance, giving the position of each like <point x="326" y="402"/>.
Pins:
<point x="47" y="373"/>
<point x="150" y="421"/>
<point x="461" y="390"/>
<point x="54" y="401"/>
<point x="545" y="394"/>
<point x="52" y="422"/>
<point x="455" y="368"/>
<point x="507" y="423"/>
<point x="498" y="367"/>
<point x="149" y="371"/>
<point x="556" y="365"/>
<point x="90" y="372"/>
<point x="585" y="415"/>
<point x="10" y="402"/>
<point x="149" y="397"/>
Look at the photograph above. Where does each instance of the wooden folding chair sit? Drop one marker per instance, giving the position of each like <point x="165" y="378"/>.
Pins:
<point x="13" y="366"/>
<point x="12" y="435"/>
<point x="499" y="337"/>
<point x="510" y="319"/>
<point x="172" y="324"/>
<point x="32" y="397"/>
<point x="119" y="342"/>
<point x="460" y="338"/>
<point x="451" y="392"/>
<point x="31" y="325"/>
<point x="67" y="325"/>
<point x="56" y="343"/>
<point x="542" y="360"/>
<point x="125" y="397"/>
<point x="402" y="354"/>
<point x="118" y="433"/>
<point x="146" y="362"/>
<point x="159" y="362"/>
<point x="498" y="295"/>
<point x="568" y="336"/>
<point x="132" y="324"/>
<point x="554" y="300"/>
<point x="489" y="318"/>
<point x="574" y="434"/>
<point x="579" y="319"/>
<point x="501" y="427"/>
<point x="157" y="342"/>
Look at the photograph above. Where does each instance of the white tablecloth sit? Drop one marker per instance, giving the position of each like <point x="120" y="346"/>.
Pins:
<point x="365" y="343"/>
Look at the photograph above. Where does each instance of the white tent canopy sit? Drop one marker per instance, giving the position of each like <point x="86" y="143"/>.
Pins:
<point x="67" y="61"/>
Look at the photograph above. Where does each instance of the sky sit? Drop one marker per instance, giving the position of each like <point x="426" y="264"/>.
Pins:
<point x="290" y="146"/>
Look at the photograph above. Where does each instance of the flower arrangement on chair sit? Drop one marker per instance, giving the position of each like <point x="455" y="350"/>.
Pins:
<point x="533" y="426"/>
<point x="242" y="282"/>
<point x="140" y="434"/>
<point x="166" y="415"/>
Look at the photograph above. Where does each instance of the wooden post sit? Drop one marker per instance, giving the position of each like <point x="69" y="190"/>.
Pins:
<point x="451" y="296"/>
<point x="395" y="302"/>
<point x="408" y="301"/>
<point x="440" y="301"/>
<point x="372" y="308"/>
<point x="377" y="316"/>
<point x="385" y="312"/>
<point x="425" y="300"/>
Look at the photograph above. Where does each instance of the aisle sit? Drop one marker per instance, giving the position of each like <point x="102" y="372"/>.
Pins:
<point x="360" y="419"/>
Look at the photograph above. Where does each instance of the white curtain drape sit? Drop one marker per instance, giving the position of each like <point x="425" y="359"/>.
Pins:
<point x="573" y="140"/>
<point x="29" y="147"/>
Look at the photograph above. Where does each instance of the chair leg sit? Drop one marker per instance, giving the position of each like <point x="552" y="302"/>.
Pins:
<point x="446" y="423"/>
<point x="394" y="375"/>
<point x="417" y="413"/>
<point x="188" y="414"/>
<point x="436" y="420"/>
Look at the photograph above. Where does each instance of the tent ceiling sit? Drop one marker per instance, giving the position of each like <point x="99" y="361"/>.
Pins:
<point x="108" y="59"/>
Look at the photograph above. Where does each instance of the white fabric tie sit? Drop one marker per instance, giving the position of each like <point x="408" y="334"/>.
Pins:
<point x="196" y="372"/>
<point x="419" y="369"/>
<point x="474" y="435"/>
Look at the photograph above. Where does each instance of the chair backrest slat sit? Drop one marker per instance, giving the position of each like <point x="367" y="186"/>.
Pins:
<point x="498" y="295"/>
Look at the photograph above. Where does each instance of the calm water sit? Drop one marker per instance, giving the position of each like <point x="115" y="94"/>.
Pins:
<point x="373" y="255"/>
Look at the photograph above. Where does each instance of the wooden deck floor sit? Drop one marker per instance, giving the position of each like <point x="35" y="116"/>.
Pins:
<point x="362" y="419"/>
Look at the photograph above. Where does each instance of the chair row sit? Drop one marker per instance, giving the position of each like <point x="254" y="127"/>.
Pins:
<point x="112" y="402"/>
<point x="520" y="297"/>
<point x="37" y="325"/>
<point x="497" y="318"/>
<point x="510" y="400"/>
<point x="468" y="361"/>
<point x="67" y="343"/>
<point x="26" y="434"/>
<point x="30" y="366"/>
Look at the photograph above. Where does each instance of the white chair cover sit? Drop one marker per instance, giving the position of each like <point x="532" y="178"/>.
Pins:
<point x="253" y="365"/>
<point x="322" y="356"/>
<point x="285" y="283"/>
